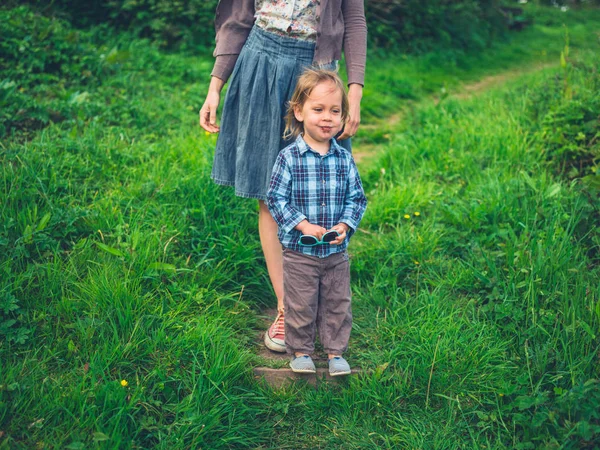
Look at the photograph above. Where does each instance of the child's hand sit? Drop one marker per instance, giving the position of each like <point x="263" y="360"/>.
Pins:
<point x="341" y="228"/>
<point x="305" y="227"/>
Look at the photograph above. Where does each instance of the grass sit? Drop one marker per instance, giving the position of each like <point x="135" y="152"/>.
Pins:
<point x="476" y="320"/>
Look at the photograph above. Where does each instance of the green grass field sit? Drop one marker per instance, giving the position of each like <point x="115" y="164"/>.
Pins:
<point x="132" y="287"/>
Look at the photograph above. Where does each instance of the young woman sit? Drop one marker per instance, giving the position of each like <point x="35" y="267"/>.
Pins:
<point x="264" y="45"/>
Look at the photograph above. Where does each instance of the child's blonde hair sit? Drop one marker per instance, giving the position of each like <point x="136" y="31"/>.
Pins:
<point x="309" y="79"/>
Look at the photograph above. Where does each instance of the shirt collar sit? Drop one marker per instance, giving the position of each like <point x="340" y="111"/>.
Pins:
<point x="303" y="147"/>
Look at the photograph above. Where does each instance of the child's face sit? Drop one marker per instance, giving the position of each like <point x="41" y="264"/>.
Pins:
<point x="321" y="115"/>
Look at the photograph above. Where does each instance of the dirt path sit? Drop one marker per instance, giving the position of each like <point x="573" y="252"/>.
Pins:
<point x="463" y="92"/>
<point x="471" y="89"/>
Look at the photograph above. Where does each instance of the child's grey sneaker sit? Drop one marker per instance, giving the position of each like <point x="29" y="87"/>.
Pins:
<point x="339" y="366"/>
<point x="303" y="364"/>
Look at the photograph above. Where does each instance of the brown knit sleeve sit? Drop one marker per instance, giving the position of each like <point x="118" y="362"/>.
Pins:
<point x="355" y="40"/>
<point x="233" y="22"/>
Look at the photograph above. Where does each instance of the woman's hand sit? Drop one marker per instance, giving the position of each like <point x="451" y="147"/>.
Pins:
<point x="208" y="112"/>
<point x="354" y="98"/>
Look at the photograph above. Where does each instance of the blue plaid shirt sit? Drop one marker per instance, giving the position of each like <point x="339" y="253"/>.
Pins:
<point x="325" y="190"/>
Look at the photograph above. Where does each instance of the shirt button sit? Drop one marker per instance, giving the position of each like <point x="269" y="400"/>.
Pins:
<point x="323" y="181"/>
<point x="323" y="204"/>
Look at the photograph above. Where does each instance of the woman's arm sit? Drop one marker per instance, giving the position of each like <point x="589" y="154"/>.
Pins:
<point x="233" y="22"/>
<point x="354" y="98"/>
<point x="208" y="112"/>
<point x="355" y="40"/>
<point x="355" y="53"/>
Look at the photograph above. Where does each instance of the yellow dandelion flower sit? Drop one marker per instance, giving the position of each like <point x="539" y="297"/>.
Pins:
<point x="417" y="213"/>
<point x="124" y="383"/>
<point x="416" y="262"/>
<point x="207" y="133"/>
<point x="406" y="216"/>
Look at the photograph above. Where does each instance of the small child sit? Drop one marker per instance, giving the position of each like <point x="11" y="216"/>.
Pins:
<point x="317" y="199"/>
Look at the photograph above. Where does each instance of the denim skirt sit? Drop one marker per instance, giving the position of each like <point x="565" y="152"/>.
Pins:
<point x="252" y="121"/>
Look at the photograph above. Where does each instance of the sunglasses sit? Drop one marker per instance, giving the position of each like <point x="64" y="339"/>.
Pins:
<point x="309" y="241"/>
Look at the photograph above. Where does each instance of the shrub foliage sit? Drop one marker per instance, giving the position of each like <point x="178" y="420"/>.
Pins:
<point x="404" y="25"/>
<point x="399" y="24"/>
<point x="417" y="26"/>
<point x="37" y="52"/>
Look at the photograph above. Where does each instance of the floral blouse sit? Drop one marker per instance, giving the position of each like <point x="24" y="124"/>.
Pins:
<point x="291" y="18"/>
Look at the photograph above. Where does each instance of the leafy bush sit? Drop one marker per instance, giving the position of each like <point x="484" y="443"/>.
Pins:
<point x="566" y="418"/>
<point x="38" y="49"/>
<point x="11" y="328"/>
<point x="572" y="135"/>
<point x="565" y="112"/>
<point x="408" y="25"/>
<point x="18" y="110"/>
<point x="37" y="52"/>
<point x="169" y="23"/>
<point x="558" y="3"/>
<point x="415" y="25"/>
<point x="404" y="25"/>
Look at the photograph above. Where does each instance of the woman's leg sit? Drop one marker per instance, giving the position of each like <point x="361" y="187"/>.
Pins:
<point x="267" y="229"/>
